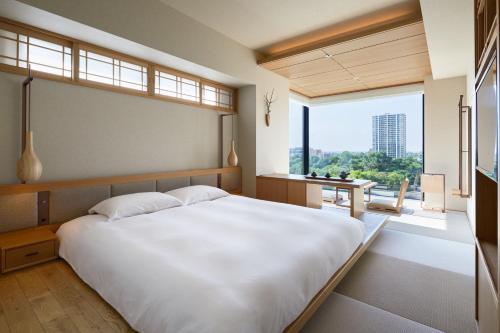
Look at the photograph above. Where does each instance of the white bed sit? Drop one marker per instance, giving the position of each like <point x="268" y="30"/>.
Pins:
<point x="231" y="265"/>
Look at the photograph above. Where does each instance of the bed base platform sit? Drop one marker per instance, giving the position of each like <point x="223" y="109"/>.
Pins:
<point x="374" y="223"/>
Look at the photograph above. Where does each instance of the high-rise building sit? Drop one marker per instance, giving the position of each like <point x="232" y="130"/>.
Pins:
<point x="389" y="134"/>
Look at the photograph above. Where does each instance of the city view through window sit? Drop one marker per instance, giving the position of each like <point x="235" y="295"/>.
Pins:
<point x="379" y="139"/>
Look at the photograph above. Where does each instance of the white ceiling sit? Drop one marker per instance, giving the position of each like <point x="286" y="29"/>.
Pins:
<point x="449" y="28"/>
<point x="258" y="24"/>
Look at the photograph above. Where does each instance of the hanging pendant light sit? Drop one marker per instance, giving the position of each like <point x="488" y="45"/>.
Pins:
<point x="232" y="158"/>
<point x="29" y="167"/>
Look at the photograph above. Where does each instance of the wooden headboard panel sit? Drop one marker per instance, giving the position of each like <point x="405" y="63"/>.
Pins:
<point x="59" y="201"/>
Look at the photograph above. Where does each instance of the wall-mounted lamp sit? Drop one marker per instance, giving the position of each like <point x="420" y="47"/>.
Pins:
<point x="232" y="158"/>
<point x="29" y="167"/>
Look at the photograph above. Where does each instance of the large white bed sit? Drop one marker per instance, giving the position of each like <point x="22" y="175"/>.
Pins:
<point x="233" y="264"/>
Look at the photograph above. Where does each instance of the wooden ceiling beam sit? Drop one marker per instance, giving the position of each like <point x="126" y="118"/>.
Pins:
<point x="360" y="55"/>
<point x="345" y="37"/>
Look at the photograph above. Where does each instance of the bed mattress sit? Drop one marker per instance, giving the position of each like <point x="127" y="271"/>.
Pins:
<point x="231" y="265"/>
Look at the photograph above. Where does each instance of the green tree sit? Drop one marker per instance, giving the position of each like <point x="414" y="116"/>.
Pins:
<point x="375" y="166"/>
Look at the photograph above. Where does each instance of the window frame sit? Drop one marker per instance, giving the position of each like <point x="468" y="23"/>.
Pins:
<point x="38" y="34"/>
<point x="114" y="56"/>
<point x="76" y="45"/>
<point x="218" y="86"/>
<point x="178" y="74"/>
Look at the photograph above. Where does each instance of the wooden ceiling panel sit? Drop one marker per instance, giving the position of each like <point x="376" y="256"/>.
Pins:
<point x="408" y="76"/>
<point x="336" y="85"/>
<point x="402" y="32"/>
<point x="297" y="59"/>
<point x="393" y="49"/>
<point x="384" y="58"/>
<point x="394" y="82"/>
<point x="339" y="89"/>
<point x="309" y="68"/>
<point x="392" y="65"/>
<point x="333" y="76"/>
<point x="300" y="90"/>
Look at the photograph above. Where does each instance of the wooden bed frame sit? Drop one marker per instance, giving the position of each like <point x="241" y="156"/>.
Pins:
<point x="10" y="189"/>
<point x="373" y="223"/>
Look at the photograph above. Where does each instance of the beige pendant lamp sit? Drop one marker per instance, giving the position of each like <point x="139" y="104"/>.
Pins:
<point x="29" y="167"/>
<point x="232" y="158"/>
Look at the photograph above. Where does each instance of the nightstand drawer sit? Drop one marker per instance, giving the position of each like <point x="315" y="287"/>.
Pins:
<point x="29" y="254"/>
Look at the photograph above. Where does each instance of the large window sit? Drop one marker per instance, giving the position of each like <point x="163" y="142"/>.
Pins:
<point x="113" y="71"/>
<point x="296" y="138"/>
<point x="21" y="49"/>
<point x="380" y="139"/>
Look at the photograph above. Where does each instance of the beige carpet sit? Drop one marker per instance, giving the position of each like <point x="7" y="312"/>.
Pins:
<point x="448" y="255"/>
<point x="418" y="276"/>
<point x="450" y="226"/>
<point x="434" y="297"/>
<point x="343" y="314"/>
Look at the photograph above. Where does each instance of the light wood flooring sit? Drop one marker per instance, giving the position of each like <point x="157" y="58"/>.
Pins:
<point x="51" y="298"/>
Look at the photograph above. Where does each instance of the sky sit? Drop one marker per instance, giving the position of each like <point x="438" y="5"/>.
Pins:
<point x="347" y="125"/>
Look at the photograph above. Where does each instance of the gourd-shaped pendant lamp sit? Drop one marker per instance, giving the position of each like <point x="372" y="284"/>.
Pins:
<point x="232" y="158"/>
<point x="29" y="167"/>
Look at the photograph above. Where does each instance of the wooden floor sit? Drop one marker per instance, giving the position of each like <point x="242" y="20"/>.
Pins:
<point x="51" y="298"/>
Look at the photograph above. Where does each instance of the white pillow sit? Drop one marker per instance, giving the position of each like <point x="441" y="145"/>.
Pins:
<point x="193" y="194"/>
<point x="134" y="204"/>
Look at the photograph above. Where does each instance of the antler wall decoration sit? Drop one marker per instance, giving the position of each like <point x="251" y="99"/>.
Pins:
<point x="270" y="99"/>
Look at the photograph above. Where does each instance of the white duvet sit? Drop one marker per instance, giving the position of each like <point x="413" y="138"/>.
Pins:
<point x="231" y="265"/>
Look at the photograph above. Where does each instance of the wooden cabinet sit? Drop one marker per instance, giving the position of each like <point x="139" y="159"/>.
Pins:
<point x="286" y="191"/>
<point x="487" y="308"/>
<point x="272" y="190"/>
<point x="26" y="248"/>
<point x="484" y="24"/>
<point x="486" y="179"/>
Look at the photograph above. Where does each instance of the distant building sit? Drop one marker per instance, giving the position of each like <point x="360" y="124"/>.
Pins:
<point x="389" y="134"/>
<point x="297" y="151"/>
<point x="316" y="152"/>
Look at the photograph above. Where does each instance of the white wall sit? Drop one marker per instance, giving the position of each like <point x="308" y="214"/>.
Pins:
<point x="272" y="141"/>
<point x="84" y="132"/>
<point x="157" y="26"/>
<point x="471" y="101"/>
<point x="441" y="133"/>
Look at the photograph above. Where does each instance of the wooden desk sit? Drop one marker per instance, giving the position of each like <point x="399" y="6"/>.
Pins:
<point x="299" y="190"/>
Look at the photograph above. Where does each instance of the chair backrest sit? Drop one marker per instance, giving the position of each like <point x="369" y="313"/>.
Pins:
<point x="432" y="183"/>
<point x="402" y="192"/>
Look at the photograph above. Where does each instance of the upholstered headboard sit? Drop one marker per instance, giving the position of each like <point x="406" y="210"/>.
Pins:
<point x="30" y="205"/>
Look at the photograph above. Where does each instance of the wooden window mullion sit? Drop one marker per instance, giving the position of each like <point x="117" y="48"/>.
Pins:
<point x="151" y="80"/>
<point x="17" y="50"/>
<point x="76" y="62"/>
<point x="200" y="92"/>
<point x="27" y="51"/>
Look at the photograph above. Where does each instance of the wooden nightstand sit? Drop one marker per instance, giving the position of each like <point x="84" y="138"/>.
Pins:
<point x="26" y="248"/>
